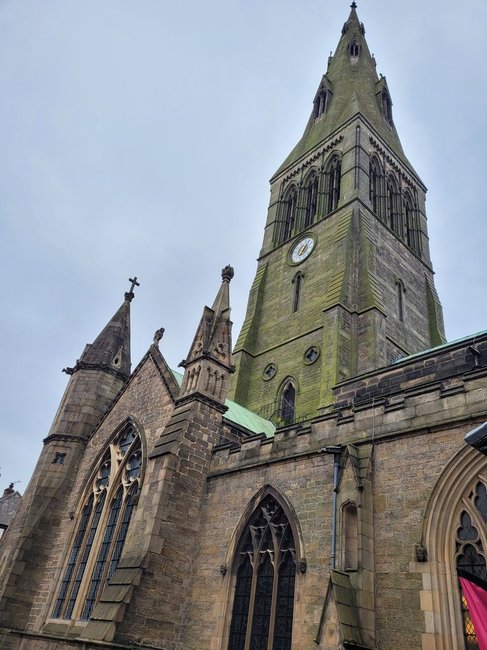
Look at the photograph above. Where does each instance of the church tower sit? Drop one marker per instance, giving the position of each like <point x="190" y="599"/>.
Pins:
<point x="344" y="281"/>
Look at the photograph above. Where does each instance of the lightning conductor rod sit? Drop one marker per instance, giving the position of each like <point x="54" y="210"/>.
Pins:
<point x="336" y="452"/>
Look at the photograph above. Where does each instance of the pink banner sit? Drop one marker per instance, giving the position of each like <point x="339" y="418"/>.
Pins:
<point x="476" y="598"/>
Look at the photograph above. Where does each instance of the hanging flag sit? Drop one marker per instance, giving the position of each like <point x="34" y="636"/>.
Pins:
<point x="476" y="598"/>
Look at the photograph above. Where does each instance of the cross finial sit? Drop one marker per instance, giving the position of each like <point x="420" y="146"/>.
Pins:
<point x="134" y="283"/>
<point x="130" y="294"/>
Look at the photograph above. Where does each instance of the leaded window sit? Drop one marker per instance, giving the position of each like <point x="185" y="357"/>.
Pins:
<point x="290" y="213"/>
<point x="311" y="199"/>
<point x="375" y="180"/>
<point x="470" y="554"/>
<point x="265" y="570"/>
<point x="413" y="233"/>
<point x="102" y="527"/>
<point x="333" y="179"/>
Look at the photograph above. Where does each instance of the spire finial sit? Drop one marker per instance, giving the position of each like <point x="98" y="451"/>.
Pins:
<point x="227" y="273"/>
<point x="129" y="295"/>
<point x="353" y="5"/>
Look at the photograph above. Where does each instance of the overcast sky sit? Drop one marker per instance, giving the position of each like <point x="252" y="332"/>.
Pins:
<point x="138" y="137"/>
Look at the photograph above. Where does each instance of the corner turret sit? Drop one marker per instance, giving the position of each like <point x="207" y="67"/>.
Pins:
<point x="95" y="380"/>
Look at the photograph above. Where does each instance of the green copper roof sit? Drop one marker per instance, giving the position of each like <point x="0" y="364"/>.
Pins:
<point x="353" y="87"/>
<point x="240" y="415"/>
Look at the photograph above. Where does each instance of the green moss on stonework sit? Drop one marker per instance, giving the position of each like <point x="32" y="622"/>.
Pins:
<point x="249" y="327"/>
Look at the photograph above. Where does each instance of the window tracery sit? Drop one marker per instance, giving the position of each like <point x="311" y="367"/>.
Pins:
<point x="102" y="529"/>
<point x="265" y="579"/>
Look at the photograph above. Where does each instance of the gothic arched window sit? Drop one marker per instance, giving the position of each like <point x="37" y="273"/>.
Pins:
<point x="287" y="406"/>
<point x="471" y="562"/>
<point x="101" y="531"/>
<point x="311" y="190"/>
<point x="375" y="179"/>
<point x="392" y="212"/>
<point x="333" y="178"/>
<point x="413" y="235"/>
<point x="265" y="568"/>
<point x="320" y="102"/>
<point x="290" y="213"/>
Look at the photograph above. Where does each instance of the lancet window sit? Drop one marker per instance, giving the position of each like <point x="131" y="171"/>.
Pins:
<point x="101" y="531"/>
<point x="413" y="233"/>
<point x="333" y="178"/>
<point x="471" y="563"/>
<point x="290" y="213"/>
<point x="288" y="403"/>
<point x="265" y="569"/>
<point x="394" y="219"/>
<point x="297" y="284"/>
<point x="311" y="190"/>
<point x="375" y="181"/>
<point x="354" y="48"/>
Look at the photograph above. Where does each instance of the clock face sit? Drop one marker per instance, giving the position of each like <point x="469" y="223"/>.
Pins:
<point x="302" y="249"/>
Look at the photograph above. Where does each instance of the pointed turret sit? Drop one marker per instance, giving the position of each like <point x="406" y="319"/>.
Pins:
<point x="351" y="86"/>
<point x="209" y="361"/>
<point x="95" y="381"/>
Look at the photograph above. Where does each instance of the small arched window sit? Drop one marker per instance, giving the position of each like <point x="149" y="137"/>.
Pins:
<point x="320" y="103"/>
<point x="265" y="568"/>
<point x="350" y="537"/>
<point x="333" y="178"/>
<point x="297" y="286"/>
<point x="102" y="527"/>
<point x="354" y="48"/>
<point x="290" y="212"/>
<point x="400" y="291"/>
<point x="311" y="199"/>
<point x="287" y="406"/>
<point x="375" y="179"/>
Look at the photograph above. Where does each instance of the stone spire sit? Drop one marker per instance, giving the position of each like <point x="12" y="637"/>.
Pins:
<point x="111" y="349"/>
<point x="351" y="86"/>
<point x="209" y="361"/>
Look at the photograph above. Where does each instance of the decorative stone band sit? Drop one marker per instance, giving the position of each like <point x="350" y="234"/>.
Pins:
<point x="63" y="437"/>
<point x="200" y="397"/>
<point x="82" y="365"/>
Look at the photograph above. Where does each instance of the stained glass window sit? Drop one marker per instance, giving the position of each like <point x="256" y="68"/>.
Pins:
<point x="470" y="555"/>
<point x="102" y="527"/>
<point x="265" y="577"/>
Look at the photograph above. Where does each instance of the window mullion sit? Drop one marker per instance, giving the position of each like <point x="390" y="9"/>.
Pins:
<point x="275" y="582"/>
<point x="253" y="589"/>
